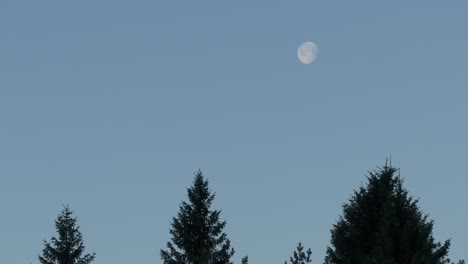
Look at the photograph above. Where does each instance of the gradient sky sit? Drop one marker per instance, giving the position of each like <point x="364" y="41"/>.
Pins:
<point x="110" y="106"/>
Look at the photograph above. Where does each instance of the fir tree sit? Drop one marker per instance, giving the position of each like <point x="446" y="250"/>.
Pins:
<point x="300" y="257"/>
<point x="197" y="231"/>
<point x="245" y="260"/>
<point x="382" y="224"/>
<point x="68" y="248"/>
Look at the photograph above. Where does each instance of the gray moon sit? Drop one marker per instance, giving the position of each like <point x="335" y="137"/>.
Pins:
<point x="307" y="52"/>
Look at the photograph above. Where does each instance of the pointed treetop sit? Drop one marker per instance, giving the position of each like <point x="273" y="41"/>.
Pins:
<point x="381" y="223"/>
<point x="299" y="256"/>
<point x="68" y="248"/>
<point x="197" y="231"/>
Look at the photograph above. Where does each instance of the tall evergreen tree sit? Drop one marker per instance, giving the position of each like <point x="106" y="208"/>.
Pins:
<point x="300" y="257"/>
<point x="68" y="248"/>
<point x="197" y="231"/>
<point x="382" y="224"/>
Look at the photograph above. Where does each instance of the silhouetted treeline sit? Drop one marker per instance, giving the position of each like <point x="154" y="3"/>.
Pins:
<point x="380" y="224"/>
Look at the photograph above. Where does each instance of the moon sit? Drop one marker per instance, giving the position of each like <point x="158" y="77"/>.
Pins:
<point x="307" y="52"/>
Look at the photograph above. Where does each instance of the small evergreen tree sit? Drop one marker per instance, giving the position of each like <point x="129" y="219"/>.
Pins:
<point x="245" y="260"/>
<point x="382" y="224"/>
<point x="197" y="231"/>
<point x="68" y="248"/>
<point x="300" y="257"/>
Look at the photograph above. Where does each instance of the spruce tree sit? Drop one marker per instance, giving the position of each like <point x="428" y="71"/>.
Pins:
<point x="382" y="224"/>
<point x="68" y="248"/>
<point x="300" y="257"/>
<point x="245" y="260"/>
<point x="197" y="231"/>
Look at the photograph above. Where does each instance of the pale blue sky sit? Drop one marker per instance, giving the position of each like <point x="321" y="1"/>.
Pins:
<point x="110" y="106"/>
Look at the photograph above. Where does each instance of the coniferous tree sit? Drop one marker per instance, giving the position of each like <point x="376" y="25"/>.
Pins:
<point x="300" y="257"/>
<point x="197" y="231"/>
<point x="68" y="248"/>
<point x="245" y="260"/>
<point x="382" y="224"/>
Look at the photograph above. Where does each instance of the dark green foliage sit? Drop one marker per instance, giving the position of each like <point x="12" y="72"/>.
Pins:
<point x="68" y="248"/>
<point x="382" y="224"/>
<point x="245" y="260"/>
<point x="300" y="257"/>
<point x="197" y="232"/>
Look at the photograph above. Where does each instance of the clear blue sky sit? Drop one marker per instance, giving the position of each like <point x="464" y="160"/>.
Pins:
<point x="110" y="106"/>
